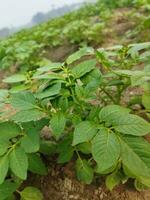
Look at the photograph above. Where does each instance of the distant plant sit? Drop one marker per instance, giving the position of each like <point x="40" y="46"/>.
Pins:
<point x="84" y="27"/>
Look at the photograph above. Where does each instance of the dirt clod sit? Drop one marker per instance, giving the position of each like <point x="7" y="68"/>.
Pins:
<point x="61" y="184"/>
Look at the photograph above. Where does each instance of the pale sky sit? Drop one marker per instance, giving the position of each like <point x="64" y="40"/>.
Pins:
<point x="20" y="12"/>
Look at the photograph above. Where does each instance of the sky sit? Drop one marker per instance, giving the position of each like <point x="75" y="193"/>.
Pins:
<point x="15" y="13"/>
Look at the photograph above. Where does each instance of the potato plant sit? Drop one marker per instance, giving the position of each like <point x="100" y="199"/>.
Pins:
<point x="82" y="103"/>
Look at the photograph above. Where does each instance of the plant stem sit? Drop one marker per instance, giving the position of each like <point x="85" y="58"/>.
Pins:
<point x="110" y="97"/>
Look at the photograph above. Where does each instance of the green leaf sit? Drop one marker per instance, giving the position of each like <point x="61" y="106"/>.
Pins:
<point x="47" y="147"/>
<point x="12" y="197"/>
<point x="28" y="115"/>
<point x="50" y="67"/>
<point x="84" y="171"/>
<point x="3" y="94"/>
<point x="77" y="55"/>
<point x="31" y="193"/>
<point x="137" y="77"/>
<point x="51" y="76"/>
<point x="93" y="78"/>
<point x="66" y="155"/>
<point x="135" y="154"/>
<point x="139" y="186"/>
<point x="107" y="113"/>
<point x="36" y="125"/>
<point x="15" y="78"/>
<point x="135" y="48"/>
<point x="113" y="180"/>
<point x="108" y="171"/>
<point x="145" y="181"/>
<point x="63" y="103"/>
<point x="123" y="122"/>
<point x="83" y="68"/>
<point x="140" y="80"/>
<point x="84" y="132"/>
<point x="23" y="101"/>
<point x="146" y="100"/>
<point x="131" y="125"/>
<point x="105" y="149"/>
<point x="19" y="88"/>
<point x="6" y="189"/>
<point x="19" y="162"/>
<point x="31" y="141"/>
<point x="50" y="91"/>
<point x="9" y="130"/>
<point x="36" y="165"/>
<point x="4" y="164"/>
<point x="57" y="123"/>
<point x="85" y="147"/>
<point x="65" y="150"/>
<point x="4" y="144"/>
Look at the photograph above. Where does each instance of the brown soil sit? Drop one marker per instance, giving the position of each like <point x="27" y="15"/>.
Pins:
<point x="61" y="184"/>
<point x="59" y="54"/>
<point x="117" y="27"/>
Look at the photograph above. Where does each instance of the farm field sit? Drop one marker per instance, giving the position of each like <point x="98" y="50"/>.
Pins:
<point x="75" y="106"/>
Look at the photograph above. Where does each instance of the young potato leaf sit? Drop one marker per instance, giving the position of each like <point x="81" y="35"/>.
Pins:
<point x="36" y="165"/>
<point x="77" y="55"/>
<point x="31" y="193"/>
<point x="31" y="141"/>
<point x="113" y="180"/>
<point x="19" y="162"/>
<point x="23" y="101"/>
<point x="83" y="68"/>
<point x="51" y="76"/>
<point x="84" y="171"/>
<point x="4" y="165"/>
<point x="15" y="78"/>
<point x="84" y="132"/>
<point x="51" y="91"/>
<point x="57" y="123"/>
<point x="7" y="189"/>
<point x="145" y="181"/>
<point x="139" y="186"/>
<point x="135" y="154"/>
<point x="50" y="67"/>
<point x="9" y="130"/>
<point x="28" y="115"/>
<point x="105" y="149"/>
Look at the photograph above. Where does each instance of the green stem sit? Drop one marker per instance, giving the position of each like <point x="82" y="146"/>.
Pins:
<point x="78" y="154"/>
<point x="110" y="97"/>
<point x="18" y="192"/>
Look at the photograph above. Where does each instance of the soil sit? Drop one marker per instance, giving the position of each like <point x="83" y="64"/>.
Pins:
<point x="61" y="184"/>
<point x="60" y="53"/>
